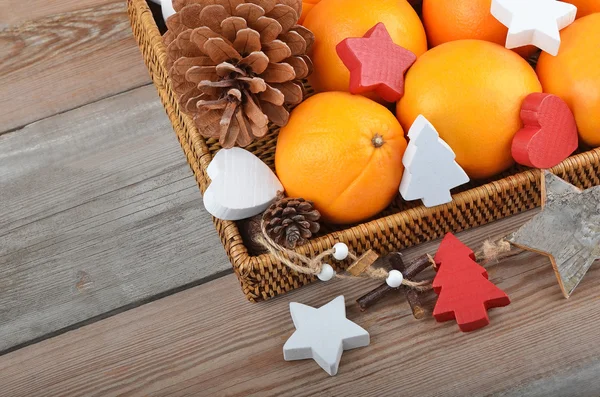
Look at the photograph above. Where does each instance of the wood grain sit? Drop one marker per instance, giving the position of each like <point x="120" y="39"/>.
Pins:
<point x="208" y="341"/>
<point x="60" y="62"/>
<point x="99" y="211"/>
<point x="15" y="12"/>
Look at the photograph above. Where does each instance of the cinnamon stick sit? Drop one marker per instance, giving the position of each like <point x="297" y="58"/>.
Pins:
<point x="375" y="295"/>
<point x="370" y="298"/>
<point x="412" y="270"/>
<point x="409" y="271"/>
<point x="414" y="300"/>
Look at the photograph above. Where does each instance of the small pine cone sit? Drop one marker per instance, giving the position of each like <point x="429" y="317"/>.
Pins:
<point x="290" y="222"/>
<point x="236" y="65"/>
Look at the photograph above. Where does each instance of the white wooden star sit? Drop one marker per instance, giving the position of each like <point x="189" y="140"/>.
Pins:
<point x="323" y="334"/>
<point x="536" y="22"/>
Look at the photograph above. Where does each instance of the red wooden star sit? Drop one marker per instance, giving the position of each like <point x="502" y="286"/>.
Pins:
<point x="376" y="63"/>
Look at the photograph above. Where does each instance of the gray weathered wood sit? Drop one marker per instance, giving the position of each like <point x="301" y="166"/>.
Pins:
<point x="99" y="210"/>
<point x="59" y="62"/>
<point x="208" y="341"/>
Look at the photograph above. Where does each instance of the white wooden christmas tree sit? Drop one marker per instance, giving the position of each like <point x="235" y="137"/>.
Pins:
<point x="430" y="166"/>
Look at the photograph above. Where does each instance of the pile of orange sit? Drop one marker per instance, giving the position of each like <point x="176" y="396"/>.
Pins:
<point x="471" y="91"/>
<point x="345" y="152"/>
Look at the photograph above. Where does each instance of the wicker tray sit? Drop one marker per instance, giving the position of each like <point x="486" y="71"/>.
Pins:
<point x="400" y="226"/>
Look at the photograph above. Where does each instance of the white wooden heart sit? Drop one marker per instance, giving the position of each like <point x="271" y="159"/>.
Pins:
<point x="242" y="185"/>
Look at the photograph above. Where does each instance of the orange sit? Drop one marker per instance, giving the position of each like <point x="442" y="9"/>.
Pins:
<point x="471" y="91"/>
<point x="334" y="20"/>
<point x="574" y="75"/>
<point x="344" y="152"/>
<point x="585" y="7"/>
<point x="307" y="5"/>
<point x="450" y="20"/>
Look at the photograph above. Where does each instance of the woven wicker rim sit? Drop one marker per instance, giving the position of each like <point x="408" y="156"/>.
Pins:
<point x="262" y="277"/>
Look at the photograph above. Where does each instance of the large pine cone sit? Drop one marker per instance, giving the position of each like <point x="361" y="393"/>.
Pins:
<point x="290" y="222"/>
<point x="235" y="65"/>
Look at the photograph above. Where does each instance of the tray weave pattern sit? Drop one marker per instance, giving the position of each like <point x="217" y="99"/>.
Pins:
<point x="403" y="225"/>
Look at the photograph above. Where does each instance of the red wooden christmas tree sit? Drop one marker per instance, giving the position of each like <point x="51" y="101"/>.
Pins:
<point x="465" y="293"/>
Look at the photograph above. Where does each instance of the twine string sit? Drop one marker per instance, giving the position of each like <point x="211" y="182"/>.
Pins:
<point x="494" y="251"/>
<point x="490" y="251"/>
<point x="314" y="266"/>
<point x="310" y="266"/>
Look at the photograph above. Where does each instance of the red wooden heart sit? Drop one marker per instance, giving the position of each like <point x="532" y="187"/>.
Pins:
<point x="549" y="134"/>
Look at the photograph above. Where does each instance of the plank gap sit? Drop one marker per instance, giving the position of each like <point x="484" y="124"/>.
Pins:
<point x="119" y="310"/>
<point x="20" y="127"/>
<point x="100" y="211"/>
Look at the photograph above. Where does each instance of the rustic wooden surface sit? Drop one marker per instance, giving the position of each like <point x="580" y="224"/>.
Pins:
<point x="15" y="12"/>
<point x="208" y="341"/>
<point x="99" y="213"/>
<point x="61" y="61"/>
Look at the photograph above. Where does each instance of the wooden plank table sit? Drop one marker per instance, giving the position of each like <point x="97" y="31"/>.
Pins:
<point x="107" y="256"/>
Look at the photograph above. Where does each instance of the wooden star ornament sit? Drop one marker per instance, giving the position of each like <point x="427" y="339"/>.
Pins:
<point x="376" y="63"/>
<point x="567" y="230"/>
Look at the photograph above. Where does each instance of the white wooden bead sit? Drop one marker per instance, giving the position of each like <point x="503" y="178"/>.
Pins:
<point x="327" y="273"/>
<point x="394" y="279"/>
<point x="341" y="251"/>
